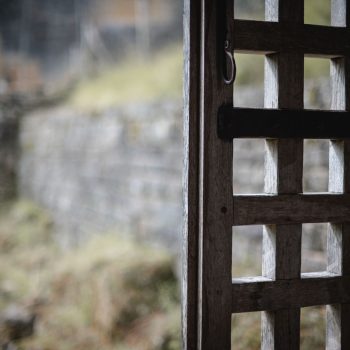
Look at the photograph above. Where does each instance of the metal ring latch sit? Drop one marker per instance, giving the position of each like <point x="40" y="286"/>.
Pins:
<point x="232" y="63"/>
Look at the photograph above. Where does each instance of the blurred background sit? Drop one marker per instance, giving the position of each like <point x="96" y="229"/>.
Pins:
<point x="91" y="174"/>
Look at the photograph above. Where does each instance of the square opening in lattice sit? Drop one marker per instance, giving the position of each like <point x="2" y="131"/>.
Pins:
<point x="249" y="83"/>
<point x="247" y="251"/>
<point x="317" y="83"/>
<point x="313" y="328"/>
<point x="316" y="165"/>
<point x="248" y="165"/>
<point x="318" y="12"/>
<point x="314" y="248"/>
<point x="250" y="9"/>
<point x="246" y="331"/>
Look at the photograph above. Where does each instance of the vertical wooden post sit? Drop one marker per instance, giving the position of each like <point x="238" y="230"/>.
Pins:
<point x="284" y="84"/>
<point x="216" y="197"/>
<point x="192" y="32"/>
<point x="338" y="238"/>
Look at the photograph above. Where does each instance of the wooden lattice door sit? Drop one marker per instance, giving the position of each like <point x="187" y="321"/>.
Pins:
<point x="210" y="296"/>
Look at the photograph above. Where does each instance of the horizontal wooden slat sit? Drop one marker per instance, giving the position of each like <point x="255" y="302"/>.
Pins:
<point x="268" y="37"/>
<point x="310" y="290"/>
<point x="290" y="208"/>
<point x="277" y="123"/>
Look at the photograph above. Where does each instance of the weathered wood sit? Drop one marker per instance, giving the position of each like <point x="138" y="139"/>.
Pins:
<point x="281" y="291"/>
<point x="340" y="14"/>
<point x="284" y="84"/>
<point x="290" y="209"/>
<point x="215" y="184"/>
<point x="311" y="290"/>
<point x="338" y="237"/>
<point x="192" y="10"/>
<point x="278" y="123"/>
<point x="271" y="37"/>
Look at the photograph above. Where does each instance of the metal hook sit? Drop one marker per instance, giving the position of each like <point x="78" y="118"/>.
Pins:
<point x="232" y="78"/>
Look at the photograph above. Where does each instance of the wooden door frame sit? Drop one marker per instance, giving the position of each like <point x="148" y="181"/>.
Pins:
<point x="203" y="298"/>
<point x="189" y="295"/>
<point x="209" y="293"/>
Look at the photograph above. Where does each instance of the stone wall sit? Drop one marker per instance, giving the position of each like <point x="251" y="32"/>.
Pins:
<point x="118" y="170"/>
<point x="122" y="169"/>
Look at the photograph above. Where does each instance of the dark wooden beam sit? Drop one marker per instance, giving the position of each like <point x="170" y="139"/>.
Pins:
<point x="260" y="294"/>
<point x="279" y="123"/>
<point x="215" y="183"/>
<point x="269" y="37"/>
<point x="290" y="209"/>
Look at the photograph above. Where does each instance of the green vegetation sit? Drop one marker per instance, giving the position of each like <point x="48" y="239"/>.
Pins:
<point x="26" y="248"/>
<point x="316" y="68"/>
<point x="250" y="69"/>
<point x="313" y="327"/>
<point x="111" y="293"/>
<point x="134" y="81"/>
<point x="159" y="77"/>
<point x="317" y="12"/>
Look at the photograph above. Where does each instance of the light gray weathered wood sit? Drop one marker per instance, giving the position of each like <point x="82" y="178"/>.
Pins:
<point x="338" y="237"/>
<point x="192" y="10"/>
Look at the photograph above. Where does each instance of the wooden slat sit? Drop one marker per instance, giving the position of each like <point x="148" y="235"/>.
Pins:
<point x="277" y="123"/>
<point x="340" y="13"/>
<point x="271" y="37"/>
<point x="290" y="209"/>
<point x="192" y="10"/>
<point x="310" y="290"/>
<point x="214" y="321"/>
<point x="284" y="84"/>
<point x="338" y="238"/>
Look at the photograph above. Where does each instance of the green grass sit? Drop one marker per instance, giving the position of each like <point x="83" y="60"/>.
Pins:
<point x="160" y="77"/>
<point x="317" y="12"/>
<point x="132" y="81"/>
<point x="316" y="68"/>
<point x="111" y="293"/>
<point x="250" y="69"/>
<point x="105" y="294"/>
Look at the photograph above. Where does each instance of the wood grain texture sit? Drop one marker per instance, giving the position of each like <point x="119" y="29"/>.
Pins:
<point x="215" y="184"/>
<point x="340" y="15"/>
<point x="311" y="290"/>
<point x="271" y="37"/>
<point x="290" y="209"/>
<point x="192" y="10"/>
<point x="278" y="123"/>
<point x="284" y="84"/>
<point x="338" y="237"/>
<point x="212" y="204"/>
